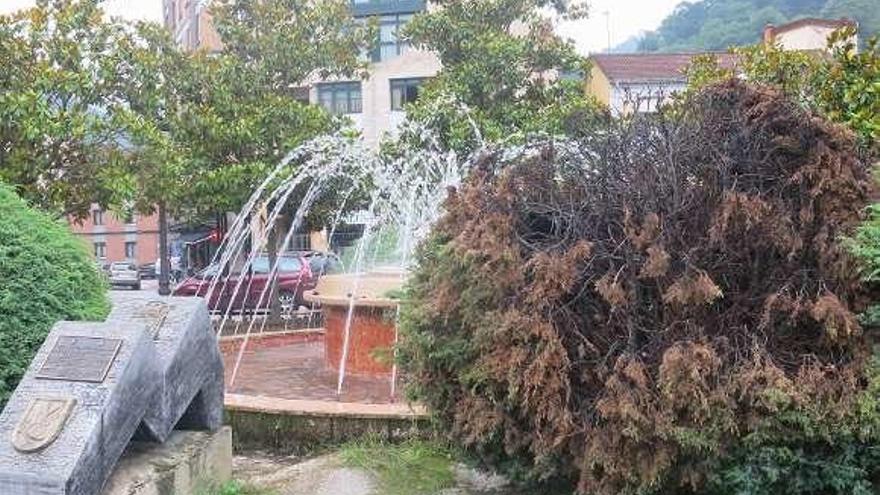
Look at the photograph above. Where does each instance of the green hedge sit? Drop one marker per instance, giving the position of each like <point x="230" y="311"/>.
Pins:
<point x="46" y="275"/>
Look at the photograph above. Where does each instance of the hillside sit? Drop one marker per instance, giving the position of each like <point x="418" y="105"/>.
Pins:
<point x="719" y="24"/>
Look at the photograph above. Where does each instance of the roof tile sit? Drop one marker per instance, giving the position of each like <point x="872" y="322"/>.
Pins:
<point x="651" y="67"/>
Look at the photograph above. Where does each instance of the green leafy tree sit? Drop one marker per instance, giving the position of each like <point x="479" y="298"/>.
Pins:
<point x="56" y="147"/>
<point x="502" y="61"/>
<point x="848" y="89"/>
<point x="94" y="110"/>
<point x="208" y="127"/>
<point x="844" y="87"/>
<point x="281" y="43"/>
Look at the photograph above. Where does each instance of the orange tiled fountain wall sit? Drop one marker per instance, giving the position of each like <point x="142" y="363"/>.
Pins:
<point x="372" y="335"/>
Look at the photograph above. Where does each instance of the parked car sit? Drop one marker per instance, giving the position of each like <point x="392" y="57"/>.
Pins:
<point x="147" y="271"/>
<point x="125" y="274"/>
<point x="294" y="278"/>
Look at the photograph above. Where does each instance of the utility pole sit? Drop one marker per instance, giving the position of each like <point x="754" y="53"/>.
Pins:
<point x="164" y="260"/>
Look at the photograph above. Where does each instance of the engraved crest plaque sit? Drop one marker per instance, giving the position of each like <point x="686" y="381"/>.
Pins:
<point x="41" y="424"/>
<point x="80" y="359"/>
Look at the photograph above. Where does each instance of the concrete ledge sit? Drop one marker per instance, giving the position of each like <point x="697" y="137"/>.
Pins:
<point x="301" y="427"/>
<point x="320" y="408"/>
<point x="180" y="466"/>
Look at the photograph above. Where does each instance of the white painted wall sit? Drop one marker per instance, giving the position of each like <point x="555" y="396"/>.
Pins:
<point x="377" y="119"/>
<point x="805" y="38"/>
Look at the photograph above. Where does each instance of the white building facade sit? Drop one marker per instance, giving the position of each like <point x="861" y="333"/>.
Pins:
<point x="374" y="105"/>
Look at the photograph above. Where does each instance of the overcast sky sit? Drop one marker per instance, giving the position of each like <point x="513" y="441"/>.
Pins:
<point x="625" y="18"/>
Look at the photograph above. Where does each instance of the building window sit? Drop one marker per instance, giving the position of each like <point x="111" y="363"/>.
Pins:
<point x="97" y="217"/>
<point x="100" y="250"/>
<point x="389" y="44"/>
<point x="130" y="250"/>
<point x="405" y="91"/>
<point x="340" y="98"/>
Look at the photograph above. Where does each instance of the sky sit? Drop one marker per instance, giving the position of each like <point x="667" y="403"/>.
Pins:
<point x="624" y="17"/>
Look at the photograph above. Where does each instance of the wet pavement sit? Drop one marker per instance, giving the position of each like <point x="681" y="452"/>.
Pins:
<point x="297" y="370"/>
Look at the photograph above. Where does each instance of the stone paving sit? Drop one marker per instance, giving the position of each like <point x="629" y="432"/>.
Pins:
<point x="323" y="475"/>
<point x="296" y="370"/>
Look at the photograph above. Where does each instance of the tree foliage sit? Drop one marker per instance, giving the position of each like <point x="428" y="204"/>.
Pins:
<point x="204" y="136"/>
<point x="97" y="110"/>
<point x="502" y="62"/>
<point x="844" y="87"/>
<point x="669" y="311"/>
<point x="281" y="43"/>
<point x="720" y="24"/>
<point x="209" y="126"/>
<point x="56" y="145"/>
<point x="48" y="275"/>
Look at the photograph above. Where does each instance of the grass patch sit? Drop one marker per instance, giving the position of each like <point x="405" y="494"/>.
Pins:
<point x="414" y="467"/>
<point x="233" y="488"/>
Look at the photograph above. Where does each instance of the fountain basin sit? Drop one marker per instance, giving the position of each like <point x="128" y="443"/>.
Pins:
<point x="372" y="332"/>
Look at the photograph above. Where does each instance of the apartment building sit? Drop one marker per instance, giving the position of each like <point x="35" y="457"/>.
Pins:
<point x="133" y="238"/>
<point x="374" y="105"/>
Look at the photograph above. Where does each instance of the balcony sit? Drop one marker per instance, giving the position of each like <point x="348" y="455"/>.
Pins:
<point x="379" y="7"/>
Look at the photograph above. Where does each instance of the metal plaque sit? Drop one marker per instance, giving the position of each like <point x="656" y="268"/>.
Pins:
<point x="80" y="359"/>
<point x="41" y="424"/>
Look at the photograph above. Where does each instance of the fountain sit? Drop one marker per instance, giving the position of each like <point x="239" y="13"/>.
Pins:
<point x="398" y="195"/>
<point x="371" y="333"/>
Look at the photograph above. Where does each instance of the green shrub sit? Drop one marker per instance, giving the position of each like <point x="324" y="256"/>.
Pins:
<point x="46" y="275"/>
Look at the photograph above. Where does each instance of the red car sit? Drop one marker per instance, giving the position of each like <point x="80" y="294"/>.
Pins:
<point x="294" y="277"/>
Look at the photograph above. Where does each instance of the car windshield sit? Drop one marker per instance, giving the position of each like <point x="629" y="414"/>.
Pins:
<point x="260" y="265"/>
<point x="285" y="264"/>
<point x="122" y="266"/>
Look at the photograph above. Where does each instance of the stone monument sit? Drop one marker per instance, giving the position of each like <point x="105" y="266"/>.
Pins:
<point x="93" y="387"/>
<point x="190" y="393"/>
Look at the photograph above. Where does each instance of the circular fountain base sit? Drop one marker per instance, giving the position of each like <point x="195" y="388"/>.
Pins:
<point x="371" y="340"/>
<point x="371" y="332"/>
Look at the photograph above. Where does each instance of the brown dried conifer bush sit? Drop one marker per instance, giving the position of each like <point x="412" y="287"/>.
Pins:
<point x="675" y="316"/>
